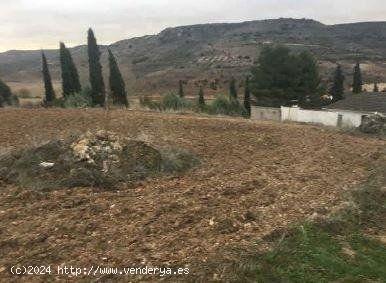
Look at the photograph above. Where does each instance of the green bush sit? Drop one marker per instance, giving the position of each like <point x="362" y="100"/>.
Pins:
<point x="222" y="105"/>
<point x="79" y="100"/>
<point x="171" y="101"/>
<point x="6" y="96"/>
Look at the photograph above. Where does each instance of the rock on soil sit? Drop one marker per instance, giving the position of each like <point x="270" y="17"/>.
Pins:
<point x="375" y="124"/>
<point x="101" y="159"/>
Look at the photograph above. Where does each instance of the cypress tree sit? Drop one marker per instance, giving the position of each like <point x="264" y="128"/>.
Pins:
<point x="376" y="88"/>
<point x="49" y="90"/>
<point x="98" y="91"/>
<point x="181" y="89"/>
<point x="357" y="80"/>
<point x="337" y="89"/>
<point x="117" y="85"/>
<point x="70" y="76"/>
<point x="232" y="89"/>
<point x="247" y="98"/>
<point x="201" y="98"/>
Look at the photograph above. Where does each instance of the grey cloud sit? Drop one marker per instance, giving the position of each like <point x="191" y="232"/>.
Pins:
<point x="34" y="24"/>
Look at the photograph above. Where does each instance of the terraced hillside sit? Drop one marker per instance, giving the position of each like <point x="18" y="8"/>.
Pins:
<point x="213" y="52"/>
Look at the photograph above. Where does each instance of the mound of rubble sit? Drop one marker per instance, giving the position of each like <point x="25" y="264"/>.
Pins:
<point x="102" y="159"/>
<point x="374" y="124"/>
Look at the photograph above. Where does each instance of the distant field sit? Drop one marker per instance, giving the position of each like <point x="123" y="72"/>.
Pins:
<point x="36" y="89"/>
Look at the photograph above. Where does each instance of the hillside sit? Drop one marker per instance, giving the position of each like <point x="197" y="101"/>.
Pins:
<point x="212" y="52"/>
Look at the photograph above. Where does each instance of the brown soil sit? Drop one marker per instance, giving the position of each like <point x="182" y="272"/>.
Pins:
<point x="254" y="178"/>
<point x="101" y="159"/>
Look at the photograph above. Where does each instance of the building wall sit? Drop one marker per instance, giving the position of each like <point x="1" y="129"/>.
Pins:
<point x="350" y="119"/>
<point x="334" y="118"/>
<point x="265" y="113"/>
<point x="309" y="116"/>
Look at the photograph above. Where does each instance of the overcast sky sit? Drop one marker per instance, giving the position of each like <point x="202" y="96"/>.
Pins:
<point x="35" y="24"/>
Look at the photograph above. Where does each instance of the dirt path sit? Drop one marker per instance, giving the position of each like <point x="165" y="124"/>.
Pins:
<point x="255" y="177"/>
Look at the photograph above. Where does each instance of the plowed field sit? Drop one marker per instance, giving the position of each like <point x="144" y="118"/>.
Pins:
<point x="254" y="178"/>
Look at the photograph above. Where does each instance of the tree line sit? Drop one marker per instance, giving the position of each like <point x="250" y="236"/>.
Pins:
<point x="284" y="78"/>
<point x="71" y="85"/>
<point x="221" y="105"/>
<point x="280" y="77"/>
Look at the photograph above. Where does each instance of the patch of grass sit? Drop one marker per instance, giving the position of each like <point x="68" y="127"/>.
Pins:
<point x="311" y="254"/>
<point x="335" y="250"/>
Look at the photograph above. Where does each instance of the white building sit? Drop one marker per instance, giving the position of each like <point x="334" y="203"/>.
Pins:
<point x="347" y="113"/>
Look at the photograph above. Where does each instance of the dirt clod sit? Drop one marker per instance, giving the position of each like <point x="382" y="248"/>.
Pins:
<point x="101" y="159"/>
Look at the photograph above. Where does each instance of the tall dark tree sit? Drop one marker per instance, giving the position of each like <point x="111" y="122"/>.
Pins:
<point x="376" y="88"/>
<point x="117" y="84"/>
<point x="70" y="76"/>
<point x="181" y="89"/>
<point x="232" y="89"/>
<point x="247" y="98"/>
<point x="337" y="88"/>
<point x="98" y="91"/>
<point x="357" y="79"/>
<point x="49" y="89"/>
<point x="281" y="77"/>
<point x="201" y="98"/>
<point x="309" y="94"/>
